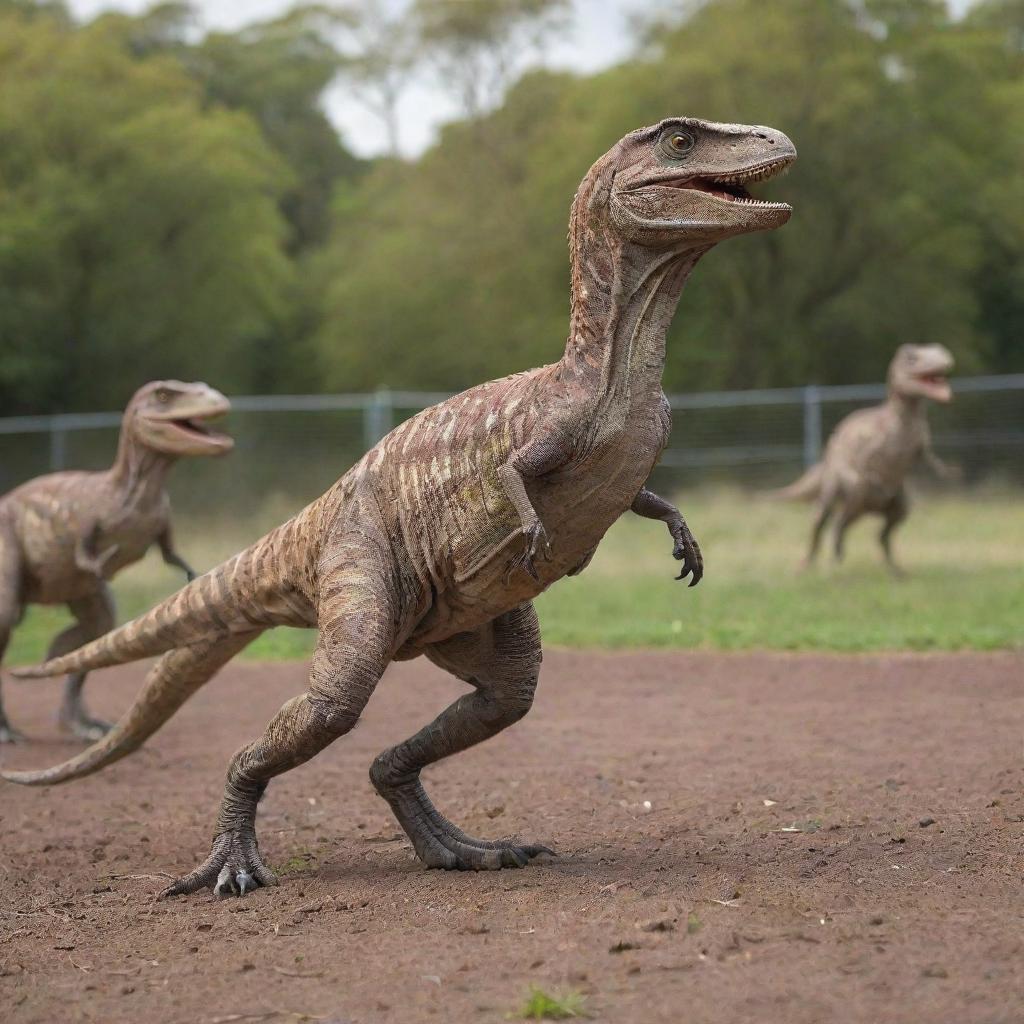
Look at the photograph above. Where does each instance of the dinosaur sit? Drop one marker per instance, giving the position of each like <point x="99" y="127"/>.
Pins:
<point x="436" y="542"/>
<point x="64" y="535"/>
<point x="871" y="451"/>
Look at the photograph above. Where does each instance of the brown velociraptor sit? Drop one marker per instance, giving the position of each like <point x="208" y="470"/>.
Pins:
<point x="62" y="536"/>
<point x="871" y="451"/>
<point x="437" y="541"/>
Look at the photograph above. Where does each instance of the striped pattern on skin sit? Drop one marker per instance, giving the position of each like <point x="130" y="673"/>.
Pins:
<point x="438" y="539"/>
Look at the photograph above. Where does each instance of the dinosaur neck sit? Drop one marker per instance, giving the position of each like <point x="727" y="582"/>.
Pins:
<point x="139" y="472"/>
<point x="623" y="299"/>
<point x="907" y="407"/>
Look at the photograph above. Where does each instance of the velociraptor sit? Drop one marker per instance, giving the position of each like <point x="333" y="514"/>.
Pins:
<point x="437" y="541"/>
<point x="62" y="536"/>
<point x="872" y="450"/>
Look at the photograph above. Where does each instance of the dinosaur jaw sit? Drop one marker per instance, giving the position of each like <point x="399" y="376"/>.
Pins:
<point x="731" y="188"/>
<point x="194" y="430"/>
<point x="184" y="427"/>
<point x="934" y="385"/>
<point x="701" y="208"/>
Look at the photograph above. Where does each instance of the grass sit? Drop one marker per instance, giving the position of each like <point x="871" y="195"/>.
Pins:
<point x="964" y="553"/>
<point x="541" y="1006"/>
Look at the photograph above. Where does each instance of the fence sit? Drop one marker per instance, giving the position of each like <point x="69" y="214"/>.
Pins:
<point x="298" y="444"/>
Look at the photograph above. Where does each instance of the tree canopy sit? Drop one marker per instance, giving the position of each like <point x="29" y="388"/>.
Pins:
<point x="174" y="203"/>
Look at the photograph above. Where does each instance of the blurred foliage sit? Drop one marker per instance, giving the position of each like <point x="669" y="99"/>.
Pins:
<point x="178" y="204"/>
<point x="908" y="205"/>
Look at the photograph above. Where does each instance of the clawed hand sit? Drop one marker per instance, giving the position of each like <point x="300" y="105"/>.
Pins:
<point x="536" y="543"/>
<point x="687" y="550"/>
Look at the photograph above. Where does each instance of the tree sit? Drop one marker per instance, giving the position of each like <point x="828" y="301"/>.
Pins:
<point x="479" y="46"/>
<point x="453" y="269"/>
<point x="139" y="232"/>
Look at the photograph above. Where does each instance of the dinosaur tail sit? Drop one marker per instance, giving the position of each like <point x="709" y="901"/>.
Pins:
<point x="220" y="603"/>
<point x="177" y="675"/>
<point x="806" y="488"/>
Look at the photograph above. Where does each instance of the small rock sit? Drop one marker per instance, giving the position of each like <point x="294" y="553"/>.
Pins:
<point x="925" y="822"/>
<point x="935" y="971"/>
<point x="621" y="946"/>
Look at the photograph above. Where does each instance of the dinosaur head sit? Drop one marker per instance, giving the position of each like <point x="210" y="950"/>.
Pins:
<point x="920" y="371"/>
<point x="171" y="417"/>
<point x="683" y="183"/>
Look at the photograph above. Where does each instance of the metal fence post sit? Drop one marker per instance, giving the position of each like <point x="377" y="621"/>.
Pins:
<point x="58" y="445"/>
<point x="812" y="424"/>
<point x="378" y="417"/>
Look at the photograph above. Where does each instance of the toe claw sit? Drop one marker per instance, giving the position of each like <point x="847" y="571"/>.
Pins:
<point x="244" y="881"/>
<point x="225" y="884"/>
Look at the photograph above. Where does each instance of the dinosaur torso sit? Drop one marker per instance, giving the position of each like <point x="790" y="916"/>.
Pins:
<point x="872" y="451"/>
<point x="49" y="515"/>
<point x="435" y="480"/>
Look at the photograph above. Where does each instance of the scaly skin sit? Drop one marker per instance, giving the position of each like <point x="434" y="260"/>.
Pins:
<point x="63" y="536"/>
<point x="437" y="541"/>
<point x="871" y="451"/>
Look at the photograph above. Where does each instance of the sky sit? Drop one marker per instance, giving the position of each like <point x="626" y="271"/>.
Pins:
<point x="600" y="37"/>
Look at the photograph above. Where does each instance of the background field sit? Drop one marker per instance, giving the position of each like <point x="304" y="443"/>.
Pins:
<point x="964" y="553"/>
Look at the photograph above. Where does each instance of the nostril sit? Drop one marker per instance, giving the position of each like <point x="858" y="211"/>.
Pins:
<point x="771" y="142"/>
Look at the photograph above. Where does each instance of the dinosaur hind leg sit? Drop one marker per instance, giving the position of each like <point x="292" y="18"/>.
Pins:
<point x="848" y="515"/>
<point x="896" y="511"/>
<point x="358" y="636"/>
<point x="501" y="661"/>
<point x="10" y="613"/>
<point x="825" y="506"/>
<point x="94" y="616"/>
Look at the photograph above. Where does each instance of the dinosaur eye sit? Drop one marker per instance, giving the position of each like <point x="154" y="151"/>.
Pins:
<point x="163" y="396"/>
<point x="678" y="142"/>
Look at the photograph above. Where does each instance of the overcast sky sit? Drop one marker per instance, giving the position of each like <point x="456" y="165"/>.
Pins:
<point x="600" y="37"/>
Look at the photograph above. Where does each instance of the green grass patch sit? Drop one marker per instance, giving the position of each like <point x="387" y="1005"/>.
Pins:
<point x="965" y="590"/>
<point x="542" y="1006"/>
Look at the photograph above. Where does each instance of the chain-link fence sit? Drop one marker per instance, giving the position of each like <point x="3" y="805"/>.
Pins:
<point x="297" y="445"/>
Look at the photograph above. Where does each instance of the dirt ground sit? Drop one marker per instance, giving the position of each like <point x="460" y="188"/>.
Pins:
<point x="745" y="837"/>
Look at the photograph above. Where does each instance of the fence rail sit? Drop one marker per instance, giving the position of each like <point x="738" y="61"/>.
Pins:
<point x="713" y="430"/>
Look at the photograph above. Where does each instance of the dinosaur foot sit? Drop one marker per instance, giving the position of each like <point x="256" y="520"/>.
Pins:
<point x="233" y="868"/>
<point x="440" y="844"/>
<point x="84" y="726"/>
<point x="468" y="854"/>
<point x="8" y="734"/>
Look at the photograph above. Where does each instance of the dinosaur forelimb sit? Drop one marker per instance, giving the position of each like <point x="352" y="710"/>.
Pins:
<point x="171" y="557"/>
<point x="686" y="549"/>
<point x="88" y="559"/>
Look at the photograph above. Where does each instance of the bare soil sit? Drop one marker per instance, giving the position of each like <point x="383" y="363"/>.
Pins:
<point x="743" y="837"/>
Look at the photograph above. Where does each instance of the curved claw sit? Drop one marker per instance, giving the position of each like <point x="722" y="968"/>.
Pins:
<point x="536" y="543"/>
<point x="687" y="550"/>
<point x="233" y="868"/>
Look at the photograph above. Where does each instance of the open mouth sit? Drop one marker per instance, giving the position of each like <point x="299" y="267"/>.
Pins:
<point x="195" y="427"/>
<point x="732" y="188"/>
<point x="935" y="385"/>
